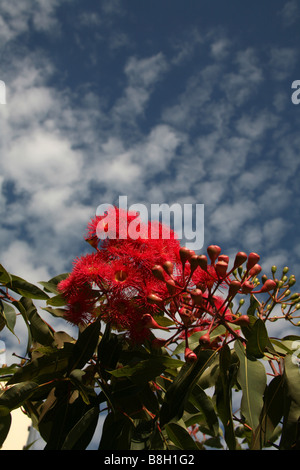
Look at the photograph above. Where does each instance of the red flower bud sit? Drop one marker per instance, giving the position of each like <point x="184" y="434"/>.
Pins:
<point x="243" y="320"/>
<point x="149" y="322"/>
<point x="255" y="270"/>
<point x="253" y="258"/>
<point x="171" y="286"/>
<point x="267" y="286"/>
<point x="185" y="254"/>
<point x="234" y="287"/>
<point x="194" y="262"/>
<point x="155" y="299"/>
<point x="247" y="287"/>
<point x="168" y="267"/>
<point x="204" y="338"/>
<point x="213" y="252"/>
<point x="196" y="295"/>
<point x="158" y="272"/>
<point x="189" y="355"/>
<point x="221" y="268"/>
<point x="224" y="258"/>
<point x="240" y="258"/>
<point x="202" y="261"/>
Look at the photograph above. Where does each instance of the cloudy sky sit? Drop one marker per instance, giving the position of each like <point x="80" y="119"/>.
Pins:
<point x="161" y="101"/>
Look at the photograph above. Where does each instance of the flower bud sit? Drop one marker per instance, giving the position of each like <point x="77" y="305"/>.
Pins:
<point x="274" y="269"/>
<point x="243" y="320"/>
<point x="234" y="287"/>
<point x="202" y="261"/>
<point x="158" y="272"/>
<point x="267" y="286"/>
<point x="155" y="299"/>
<point x="189" y="355"/>
<point x="168" y="266"/>
<point x="196" y="295"/>
<point x="204" y="338"/>
<point x="247" y="287"/>
<point x="292" y="281"/>
<point x="224" y="258"/>
<point x="221" y="268"/>
<point x="253" y="258"/>
<point x="185" y="254"/>
<point x="171" y="286"/>
<point x="213" y="252"/>
<point x="194" y="262"/>
<point x="158" y="343"/>
<point x="240" y="258"/>
<point x="285" y="270"/>
<point x="255" y="270"/>
<point x="149" y="322"/>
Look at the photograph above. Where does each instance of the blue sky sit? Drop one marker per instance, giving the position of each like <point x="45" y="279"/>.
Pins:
<point x="162" y="101"/>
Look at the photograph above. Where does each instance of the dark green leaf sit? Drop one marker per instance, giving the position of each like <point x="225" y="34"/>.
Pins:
<point x="257" y="339"/>
<point x="15" y="396"/>
<point x="26" y="289"/>
<point x="85" y="346"/>
<point x="204" y="403"/>
<point x="5" y="277"/>
<point x="5" y="423"/>
<point x="81" y="434"/>
<point x="40" y="330"/>
<point x="224" y="396"/>
<point x="182" y="385"/>
<point x="252" y="379"/>
<point x="180" y="437"/>
<point x="254" y="304"/>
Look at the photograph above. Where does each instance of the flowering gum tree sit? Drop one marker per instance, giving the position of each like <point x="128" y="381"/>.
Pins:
<point x="173" y="348"/>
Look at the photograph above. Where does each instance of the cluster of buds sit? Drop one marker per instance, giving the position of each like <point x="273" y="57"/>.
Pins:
<point x="194" y="303"/>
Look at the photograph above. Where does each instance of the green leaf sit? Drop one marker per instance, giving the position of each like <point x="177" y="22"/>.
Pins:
<point x="254" y="304"/>
<point x="180" y="437"/>
<point x="26" y="289"/>
<point x="40" y="330"/>
<point x="257" y="339"/>
<point x="44" y="367"/>
<point x="5" y="423"/>
<point x="81" y="434"/>
<point x="204" y="403"/>
<point x="252" y="379"/>
<point x="224" y="396"/>
<point x="271" y="414"/>
<point x="182" y="385"/>
<point x="8" y="313"/>
<point x="148" y="369"/>
<point x="85" y="346"/>
<point x="292" y="375"/>
<point x="15" y="396"/>
<point x="5" y="277"/>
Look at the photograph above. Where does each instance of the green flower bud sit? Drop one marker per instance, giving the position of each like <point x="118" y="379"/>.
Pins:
<point x="285" y="270"/>
<point x="287" y="293"/>
<point x="292" y="281"/>
<point x="284" y="278"/>
<point x="241" y="302"/>
<point x="274" y="269"/>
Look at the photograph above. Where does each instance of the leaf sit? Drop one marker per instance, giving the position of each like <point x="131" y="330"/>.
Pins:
<point x="292" y="375"/>
<point x="85" y="346"/>
<point x="271" y="414"/>
<point x="81" y="434"/>
<point x="49" y="367"/>
<point x="180" y="437"/>
<point x="9" y="315"/>
<point x="254" y="303"/>
<point x="5" y="277"/>
<point x="26" y="289"/>
<point x="40" y="330"/>
<point x="204" y="403"/>
<point x="15" y="396"/>
<point x="257" y="339"/>
<point x="148" y="369"/>
<point x="252" y="379"/>
<point x="182" y="385"/>
<point x="5" y="423"/>
<point x="224" y="396"/>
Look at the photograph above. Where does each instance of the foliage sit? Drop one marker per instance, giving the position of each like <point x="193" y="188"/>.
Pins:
<point x="214" y="378"/>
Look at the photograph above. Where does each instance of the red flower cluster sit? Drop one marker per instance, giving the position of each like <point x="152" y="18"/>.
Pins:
<point x="132" y="283"/>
